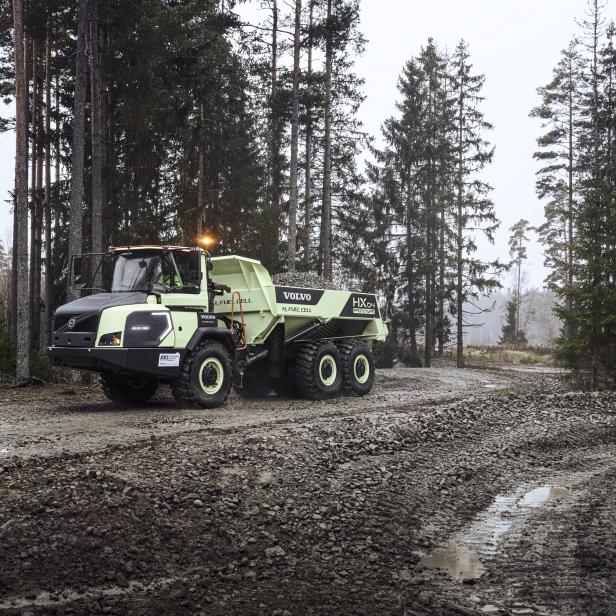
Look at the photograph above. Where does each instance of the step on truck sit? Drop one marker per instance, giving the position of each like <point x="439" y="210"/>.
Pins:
<point x="204" y="324"/>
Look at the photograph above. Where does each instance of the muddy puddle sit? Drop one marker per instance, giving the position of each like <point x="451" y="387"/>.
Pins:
<point x="68" y="595"/>
<point x="461" y="556"/>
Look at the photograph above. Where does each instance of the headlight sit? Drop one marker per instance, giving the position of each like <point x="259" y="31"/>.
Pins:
<point x="113" y="339"/>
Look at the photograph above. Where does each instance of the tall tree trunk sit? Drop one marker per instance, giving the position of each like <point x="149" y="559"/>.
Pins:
<point x="58" y="160"/>
<point x="518" y="298"/>
<point x="428" y="339"/>
<point x="410" y="275"/>
<point x="79" y="112"/>
<point x="201" y="172"/>
<point x="326" y="210"/>
<point x="460" y="236"/>
<point x="20" y="239"/>
<point x="96" y="113"/>
<point x="33" y="191"/>
<point x="47" y="203"/>
<point x="308" y="158"/>
<point x="428" y="316"/>
<point x="596" y="172"/>
<point x="569" y="298"/>
<point x="292" y="231"/>
<point x="14" y="275"/>
<point x="38" y="227"/>
<point x="441" y="282"/>
<point x="273" y="222"/>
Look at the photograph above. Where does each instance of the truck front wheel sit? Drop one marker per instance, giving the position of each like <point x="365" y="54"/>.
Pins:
<point x="316" y="371"/>
<point x="206" y="376"/>
<point x="357" y="366"/>
<point x="128" y="389"/>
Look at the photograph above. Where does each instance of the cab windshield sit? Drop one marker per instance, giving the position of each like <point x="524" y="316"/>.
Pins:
<point x="170" y="271"/>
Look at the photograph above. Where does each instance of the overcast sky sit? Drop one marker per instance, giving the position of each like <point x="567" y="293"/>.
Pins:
<point x="515" y="43"/>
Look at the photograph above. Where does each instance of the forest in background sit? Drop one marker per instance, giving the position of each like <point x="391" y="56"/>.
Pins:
<point x="162" y="120"/>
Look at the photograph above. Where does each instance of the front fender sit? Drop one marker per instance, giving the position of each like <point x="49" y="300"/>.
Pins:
<point x="214" y="333"/>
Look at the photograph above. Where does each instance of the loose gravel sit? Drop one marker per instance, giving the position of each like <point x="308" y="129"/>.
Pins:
<point x="307" y="280"/>
<point x="325" y="513"/>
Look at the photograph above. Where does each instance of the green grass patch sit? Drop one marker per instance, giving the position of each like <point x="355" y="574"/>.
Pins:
<point x="535" y="356"/>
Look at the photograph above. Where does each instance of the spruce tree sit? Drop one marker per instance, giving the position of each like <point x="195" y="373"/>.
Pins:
<point x="436" y="155"/>
<point x="518" y="240"/>
<point x="474" y="210"/>
<point x="558" y="182"/>
<point x="511" y="334"/>
<point x="589" y="303"/>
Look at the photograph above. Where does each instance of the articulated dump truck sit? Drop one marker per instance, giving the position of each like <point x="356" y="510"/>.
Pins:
<point x="203" y="325"/>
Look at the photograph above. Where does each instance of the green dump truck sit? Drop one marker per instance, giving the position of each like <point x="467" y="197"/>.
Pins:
<point x="203" y="325"/>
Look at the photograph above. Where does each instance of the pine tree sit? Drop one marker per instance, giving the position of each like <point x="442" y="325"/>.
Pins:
<point x="20" y="237"/>
<point x="77" y="167"/>
<point x="47" y="202"/>
<point x="96" y="123"/>
<point x="293" y="196"/>
<point x="309" y="104"/>
<point x="325" y="259"/>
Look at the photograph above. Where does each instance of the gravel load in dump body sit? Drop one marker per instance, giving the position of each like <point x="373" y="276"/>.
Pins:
<point x="308" y="280"/>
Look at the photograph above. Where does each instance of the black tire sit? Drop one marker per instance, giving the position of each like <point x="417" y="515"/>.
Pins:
<point x="128" y="389"/>
<point x="255" y="386"/>
<point x="357" y="366"/>
<point x="316" y="371"/>
<point x="206" y="376"/>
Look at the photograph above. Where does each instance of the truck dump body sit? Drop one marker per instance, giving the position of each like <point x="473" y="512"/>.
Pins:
<point x="343" y="313"/>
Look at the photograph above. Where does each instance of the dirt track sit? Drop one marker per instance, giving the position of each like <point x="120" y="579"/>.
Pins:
<point x="443" y="492"/>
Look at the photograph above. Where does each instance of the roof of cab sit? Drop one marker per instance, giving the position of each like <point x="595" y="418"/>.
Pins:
<point x="153" y="247"/>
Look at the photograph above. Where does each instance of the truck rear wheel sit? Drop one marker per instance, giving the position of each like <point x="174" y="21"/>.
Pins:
<point x="357" y="366"/>
<point x="128" y="389"/>
<point x="206" y="376"/>
<point x="316" y="371"/>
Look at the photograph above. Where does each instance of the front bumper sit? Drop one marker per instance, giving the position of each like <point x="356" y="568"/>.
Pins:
<point x="159" y="363"/>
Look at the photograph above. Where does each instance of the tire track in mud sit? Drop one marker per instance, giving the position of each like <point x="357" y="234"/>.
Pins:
<point x="538" y="570"/>
<point x="323" y="516"/>
<point x="44" y="428"/>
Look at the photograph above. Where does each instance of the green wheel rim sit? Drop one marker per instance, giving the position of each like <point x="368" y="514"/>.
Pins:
<point x="361" y="369"/>
<point x="328" y="370"/>
<point x="211" y="376"/>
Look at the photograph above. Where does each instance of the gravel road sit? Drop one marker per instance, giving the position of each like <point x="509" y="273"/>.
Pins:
<point x="442" y="492"/>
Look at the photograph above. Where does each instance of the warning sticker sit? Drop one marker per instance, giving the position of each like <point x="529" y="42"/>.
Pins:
<point x="168" y="360"/>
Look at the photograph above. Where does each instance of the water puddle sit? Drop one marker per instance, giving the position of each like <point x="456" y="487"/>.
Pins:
<point x="542" y="495"/>
<point x="461" y="557"/>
